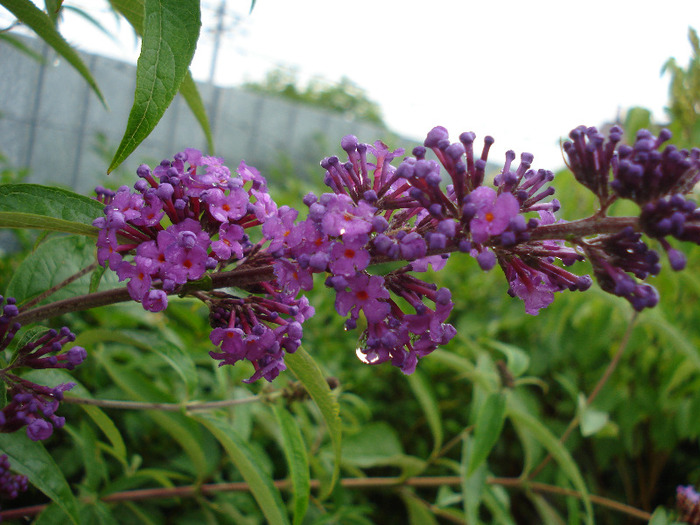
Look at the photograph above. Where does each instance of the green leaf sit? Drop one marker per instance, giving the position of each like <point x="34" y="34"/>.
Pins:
<point x="189" y="91"/>
<point x="260" y="483"/>
<point x="47" y="208"/>
<point x="557" y="450"/>
<point x="472" y="484"/>
<point x="489" y="424"/>
<point x="297" y="460"/>
<point x="43" y="26"/>
<point x="31" y="459"/>
<point x="592" y="420"/>
<point x="22" y="47"/>
<point x="50" y="264"/>
<point x="376" y="444"/>
<point x="307" y="371"/>
<point x="517" y="359"/>
<point x="181" y="428"/>
<point x="170" y="33"/>
<point x="133" y="11"/>
<point x="109" y="429"/>
<point x="418" y="512"/>
<point x="659" y="517"/>
<point x="426" y="398"/>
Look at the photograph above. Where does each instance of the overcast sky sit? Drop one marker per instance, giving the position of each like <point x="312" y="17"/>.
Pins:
<point x="525" y="72"/>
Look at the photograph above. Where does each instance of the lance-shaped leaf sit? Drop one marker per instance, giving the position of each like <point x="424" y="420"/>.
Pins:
<point x="47" y="208"/>
<point x="170" y="33"/>
<point x="42" y="25"/>
<point x="133" y="11"/>
<point x="31" y="459"/>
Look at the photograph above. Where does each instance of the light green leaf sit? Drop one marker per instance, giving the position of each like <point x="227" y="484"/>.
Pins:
<point x="297" y="460"/>
<point x="376" y="444"/>
<point x="261" y="486"/>
<point x="592" y="420"/>
<point x="170" y="33"/>
<point x="659" y="517"/>
<point x="489" y="423"/>
<point x="426" y="398"/>
<point x="307" y="371"/>
<point x="31" y="459"/>
<point x="43" y="26"/>
<point x="22" y="47"/>
<point x="556" y="449"/>
<point x="472" y="484"/>
<point x="517" y="359"/>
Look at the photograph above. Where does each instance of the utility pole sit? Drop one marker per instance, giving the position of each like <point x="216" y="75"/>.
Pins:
<point x="218" y="33"/>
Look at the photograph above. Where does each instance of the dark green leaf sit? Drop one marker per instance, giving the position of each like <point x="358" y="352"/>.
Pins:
<point x="489" y="424"/>
<point x="418" y="511"/>
<point x="133" y="11"/>
<point x="170" y="33"/>
<point x="557" y="450"/>
<point x="260" y="483"/>
<point x="50" y="264"/>
<point x="42" y="25"/>
<point x="307" y="371"/>
<point x="181" y="428"/>
<point x="31" y="459"/>
<point x="297" y="460"/>
<point x="48" y="203"/>
<point x="188" y="89"/>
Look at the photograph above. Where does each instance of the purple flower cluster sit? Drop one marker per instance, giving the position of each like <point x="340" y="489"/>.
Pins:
<point x="34" y="405"/>
<point x="10" y="484"/>
<point x="186" y="217"/>
<point x="688" y="503"/>
<point x="191" y="216"/>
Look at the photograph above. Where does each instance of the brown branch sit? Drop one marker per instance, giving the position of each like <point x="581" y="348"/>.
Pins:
<point x="189" y="491"/>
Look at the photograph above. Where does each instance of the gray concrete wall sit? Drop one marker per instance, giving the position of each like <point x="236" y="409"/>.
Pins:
<point x="50" y="122"/>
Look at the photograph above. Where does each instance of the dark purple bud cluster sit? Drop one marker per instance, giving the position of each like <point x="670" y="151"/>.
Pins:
<point x="657" y="181"/>
<point x="591" y="156"/>
<point x="10" y="484"/>
<point x="34" y="405"/>
<point x="688" y="503"/>
<point x="615" y="256"/>
<point x="644" y="174"/>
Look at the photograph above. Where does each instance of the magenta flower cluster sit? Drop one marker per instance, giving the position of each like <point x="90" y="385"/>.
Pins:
<point x="688" y="503"/>
<point x="32" y="405"/>
<point x="190" y="216"/>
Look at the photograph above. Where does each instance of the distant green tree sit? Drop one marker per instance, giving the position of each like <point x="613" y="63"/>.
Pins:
<point x="344" y="96"/>
<point x="684" y="103"/>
